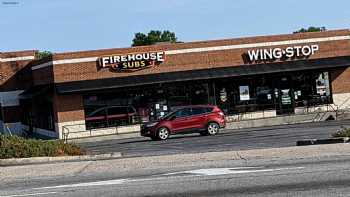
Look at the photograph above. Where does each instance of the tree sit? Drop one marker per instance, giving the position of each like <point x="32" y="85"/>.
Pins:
<point x="153" y="37"/>
<point x="311" y="29"/>
<point x="43" y="54"/>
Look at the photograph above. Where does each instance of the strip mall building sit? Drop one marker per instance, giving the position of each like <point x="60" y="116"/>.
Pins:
<point x="108" y="91"/>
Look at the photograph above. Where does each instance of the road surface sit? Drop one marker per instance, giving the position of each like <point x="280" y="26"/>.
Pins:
<point x="327" y="176"/>
<point x="245" y="139"/>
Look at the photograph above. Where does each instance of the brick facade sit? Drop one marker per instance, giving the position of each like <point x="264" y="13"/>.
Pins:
<point x="340" y="79"/>
<point x="68" y="108"/>
<point x="190" y="61"/>
<point x="15" y="75"/>
<point x="61" y="68"/>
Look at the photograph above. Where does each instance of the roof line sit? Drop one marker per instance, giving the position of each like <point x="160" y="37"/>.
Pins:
<point x="208" y="49"/>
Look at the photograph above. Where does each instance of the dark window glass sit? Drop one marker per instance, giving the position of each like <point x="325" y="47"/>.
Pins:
<point x="99" y="112"/>
<point x="131" y="110"/>
<point x="117" y="110"/>
<point x="208" y="109"/>
<point x="199" y="110"/>
<point x="183" y="112"/>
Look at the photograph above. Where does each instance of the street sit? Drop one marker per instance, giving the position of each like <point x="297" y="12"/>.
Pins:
<point x="267" y="164"/>
<point x="328" y="176"/>
<point x="244" y="139"/>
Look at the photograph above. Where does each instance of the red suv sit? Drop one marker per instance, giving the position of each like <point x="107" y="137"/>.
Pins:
<point x="206" y="119"/>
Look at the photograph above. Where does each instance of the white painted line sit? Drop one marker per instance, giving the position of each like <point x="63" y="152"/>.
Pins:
<point x="208" y="49"/>
<point x="225" y="171"/>
<point x="65" y="61"/>
<point x="254" y="45"/>
<point x="77" y="60"/>
<point x="191" y="173"/>
<point x="97" y="183"/>
<point x="31" y="194"/>
<point x="12" y="59"/>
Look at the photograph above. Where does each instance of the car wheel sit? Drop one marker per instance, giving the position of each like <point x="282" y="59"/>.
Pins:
<point x="163" y="133"/>
<point x="213" y="128"/>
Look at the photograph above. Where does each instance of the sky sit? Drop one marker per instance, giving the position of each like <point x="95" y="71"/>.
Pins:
<point x="75" y="25"/>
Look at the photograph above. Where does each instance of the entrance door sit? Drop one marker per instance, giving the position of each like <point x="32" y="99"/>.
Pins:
<point x="284" y="97"/>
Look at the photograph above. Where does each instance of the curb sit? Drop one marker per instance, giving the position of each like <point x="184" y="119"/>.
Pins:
<point x="308" y="142"/>
<point x="42" y="160"/>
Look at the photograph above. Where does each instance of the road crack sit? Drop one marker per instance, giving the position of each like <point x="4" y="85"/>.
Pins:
<point x="240" y="156"/>
<point x="84" y="168"/>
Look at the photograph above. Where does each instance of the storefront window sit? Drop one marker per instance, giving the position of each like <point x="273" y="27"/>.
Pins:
<point x="240" y="95"/>
<point x="41" y="116"/>
<point x="312" y="89"/>
<point x="134" y="106"/>
<point x="281" y="92"/>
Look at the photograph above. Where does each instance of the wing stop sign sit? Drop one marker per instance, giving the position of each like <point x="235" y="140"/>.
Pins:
<point x="133" y="61"/>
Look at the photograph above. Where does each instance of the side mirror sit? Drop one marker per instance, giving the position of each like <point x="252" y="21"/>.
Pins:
<point x="172" y="118"/>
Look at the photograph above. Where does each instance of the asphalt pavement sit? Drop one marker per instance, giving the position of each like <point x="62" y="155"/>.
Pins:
<point x="318" y="176"/>
<point x="244" y="139"/>
<point x="321" y="170"/>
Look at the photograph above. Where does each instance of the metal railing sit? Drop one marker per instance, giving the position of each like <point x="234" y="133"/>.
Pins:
<point x="76" y="129"/>
<point x="321" y="114"/>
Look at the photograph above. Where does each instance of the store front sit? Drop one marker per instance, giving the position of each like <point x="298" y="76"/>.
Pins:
<point x="280" y="92"/>
<point x="82" y="94"/>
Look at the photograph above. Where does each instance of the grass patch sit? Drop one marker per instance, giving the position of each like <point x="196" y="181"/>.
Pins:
<point x="343" y="132"/>
<point x="19" y="147"/>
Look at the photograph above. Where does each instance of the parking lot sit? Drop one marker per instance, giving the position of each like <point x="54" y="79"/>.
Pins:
<point x="253" y="138"/>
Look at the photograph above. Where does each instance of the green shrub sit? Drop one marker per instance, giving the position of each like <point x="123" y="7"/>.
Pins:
<point x="18" y="147"/>
<point x="343" y="132"/>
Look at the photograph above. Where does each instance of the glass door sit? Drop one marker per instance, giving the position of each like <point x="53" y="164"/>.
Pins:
<point x="284" y="97"/>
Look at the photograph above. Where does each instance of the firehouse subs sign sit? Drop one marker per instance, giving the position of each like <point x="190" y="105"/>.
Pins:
<point x="133" y="61"/>
<point x="282" y="53"/>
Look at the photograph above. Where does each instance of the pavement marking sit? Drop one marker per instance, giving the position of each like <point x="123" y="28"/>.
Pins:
<point x="31" y="194"/>
<point x="189" y="173"/>
<point x="224" y="171"/>
<point x="97" y="183"/>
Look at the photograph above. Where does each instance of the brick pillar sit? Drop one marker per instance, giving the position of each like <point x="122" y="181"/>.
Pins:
<point x="69" y="113"/>
<point x="341" y="87"/>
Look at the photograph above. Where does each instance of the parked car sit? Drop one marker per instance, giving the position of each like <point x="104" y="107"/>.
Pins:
<point x="110" y="116"/>
<point x="205" y="119"/>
